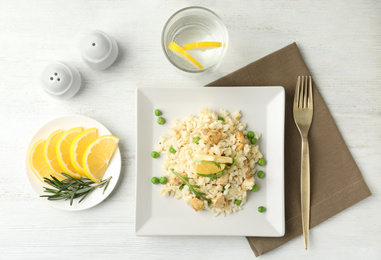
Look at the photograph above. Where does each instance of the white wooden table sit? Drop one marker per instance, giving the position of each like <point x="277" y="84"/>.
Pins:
<point x="340" y="41"/>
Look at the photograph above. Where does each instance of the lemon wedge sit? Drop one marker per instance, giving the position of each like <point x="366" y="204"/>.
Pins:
<point x="50" y="152"/>
<point x="208" y="168"/>
<point x="79" y="145"/>
<point x="184" y="54"/>
<point x="38" y="163"/>
<point x="97" y="156"/>
<point x="213" y="158"/>
<point x="202" y="46"/>
<point x="63" y="151"/>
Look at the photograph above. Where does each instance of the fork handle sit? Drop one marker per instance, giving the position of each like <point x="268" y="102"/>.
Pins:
<point x="305" y="189"/>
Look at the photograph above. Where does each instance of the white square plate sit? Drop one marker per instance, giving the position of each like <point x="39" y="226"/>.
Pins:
<point x="262" y="109"/>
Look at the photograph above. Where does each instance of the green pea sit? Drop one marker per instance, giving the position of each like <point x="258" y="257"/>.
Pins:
<point x="172" y="150"/>
<point x="163" y="180"/>
<point x="260" y="174"/>
<point x="261" y="162"/>
<point x="196" y="139"/>
<point x="223" y="187"/>
<point x="181" y="186"/>
<point x="261" y="209"/>
<point x="255" y="188"/>
<point x="237" y="202"/>
<point x="250" y="134"/>
<point x="157" y="112"/>
<point x="221" y="119"/>
<point x="253" y="140"/>
<point x="154" y="154"/>
<point x="160" y="120"/>
<point x="155" y="180"/>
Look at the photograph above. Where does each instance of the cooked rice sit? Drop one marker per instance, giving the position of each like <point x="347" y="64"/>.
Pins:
<point x="181" y="136"/>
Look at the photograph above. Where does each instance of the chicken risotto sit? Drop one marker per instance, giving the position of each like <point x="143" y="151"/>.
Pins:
<point x="209" y="161"/>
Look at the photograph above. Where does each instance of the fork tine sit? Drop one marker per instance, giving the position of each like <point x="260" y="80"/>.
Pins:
<point x="305" y="92"/>
<point x="296" y="96"/>
<point x="310" y="99"/>
<point x="301" y="93"/>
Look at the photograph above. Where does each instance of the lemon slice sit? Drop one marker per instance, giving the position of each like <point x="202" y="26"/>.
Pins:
<point x="79" y="145"/>
<point x="97" y="156"/>
<point x="208" y="168"/>
<point x="50" y="153"/>
<point x="202" y="46"/>
<point x="37" y="162"/>
<point x="183" y="54"/>
<point x="213" y="158"/>
<point x="63" y="151"/>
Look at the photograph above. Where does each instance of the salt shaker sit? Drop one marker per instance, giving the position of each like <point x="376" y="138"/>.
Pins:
<point x="61" y="80"/>
<point x="99" y="50"/>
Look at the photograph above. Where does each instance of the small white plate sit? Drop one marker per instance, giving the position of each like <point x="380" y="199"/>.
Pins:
<point x="96" y="196"/>
<point x="263" y="109"/>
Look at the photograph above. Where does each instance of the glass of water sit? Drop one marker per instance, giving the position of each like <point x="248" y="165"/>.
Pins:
<point x="195" y="25"/>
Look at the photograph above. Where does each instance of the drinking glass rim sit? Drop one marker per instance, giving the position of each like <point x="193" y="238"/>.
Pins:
<point x="165" y="26"/>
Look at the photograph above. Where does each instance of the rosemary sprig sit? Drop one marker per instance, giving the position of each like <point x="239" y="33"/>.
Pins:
<point x="71" y="188"/>
<point x="191" y="187"/>
<point x="217" y="175"/>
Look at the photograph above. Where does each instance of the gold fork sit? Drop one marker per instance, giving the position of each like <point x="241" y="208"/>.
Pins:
<point x="303" y="112"/>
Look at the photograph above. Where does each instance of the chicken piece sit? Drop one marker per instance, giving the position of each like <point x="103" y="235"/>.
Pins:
<point x="219" y="201"/>
<point x="176" y="181"/>
<point x="197" y="204"/>
<point x="248" y="174"/>
<point x="223" y="180"/>
<point x="210" y="136"/>
<point x="248" y="184"/>
<point x="240" y="141"/>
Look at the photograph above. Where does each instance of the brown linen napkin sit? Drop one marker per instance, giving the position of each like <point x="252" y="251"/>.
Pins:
<point x="336" y="181"/>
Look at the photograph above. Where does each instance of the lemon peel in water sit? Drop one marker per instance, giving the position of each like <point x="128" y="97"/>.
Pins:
<point x="180" y="52"/>
<point x="202" y="46"/>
